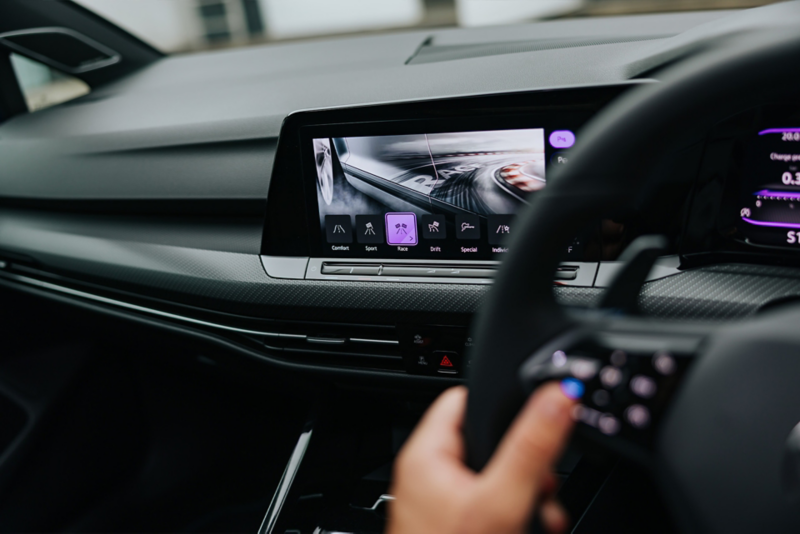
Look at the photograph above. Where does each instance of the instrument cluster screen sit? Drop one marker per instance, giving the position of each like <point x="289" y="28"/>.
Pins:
<point x="430" y="195"/>
<point x="770" y="198"/>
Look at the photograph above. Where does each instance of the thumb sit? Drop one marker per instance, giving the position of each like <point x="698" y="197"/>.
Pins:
<point x="530" y="448"/>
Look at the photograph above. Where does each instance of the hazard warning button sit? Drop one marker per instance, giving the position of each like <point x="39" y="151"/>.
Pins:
<point x="447" y="362"/>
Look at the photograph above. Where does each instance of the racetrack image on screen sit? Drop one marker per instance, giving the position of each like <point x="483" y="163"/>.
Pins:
<point x="483" y="172"/>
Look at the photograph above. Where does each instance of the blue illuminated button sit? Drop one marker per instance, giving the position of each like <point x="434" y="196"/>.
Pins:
<point x="562" y="139"/>
<point x="572" y="388"/>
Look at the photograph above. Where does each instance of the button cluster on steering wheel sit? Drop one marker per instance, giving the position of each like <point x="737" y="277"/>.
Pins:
<point x="623" y="389"/>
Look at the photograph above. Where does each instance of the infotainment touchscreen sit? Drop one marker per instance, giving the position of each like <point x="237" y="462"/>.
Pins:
<point x="429" y="195"/>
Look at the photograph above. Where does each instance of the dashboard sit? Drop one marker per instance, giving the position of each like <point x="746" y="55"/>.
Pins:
<point x="337" y="221"/>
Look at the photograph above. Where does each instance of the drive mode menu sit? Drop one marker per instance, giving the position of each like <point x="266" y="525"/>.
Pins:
<point x="432" y="235"/>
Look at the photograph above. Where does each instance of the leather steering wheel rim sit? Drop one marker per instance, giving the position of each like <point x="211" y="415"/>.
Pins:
<point x="606" y="173"/>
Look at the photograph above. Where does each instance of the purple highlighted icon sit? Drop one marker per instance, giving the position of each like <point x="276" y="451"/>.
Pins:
<point x="401" y="229"/>
<point x="562" y="139"/>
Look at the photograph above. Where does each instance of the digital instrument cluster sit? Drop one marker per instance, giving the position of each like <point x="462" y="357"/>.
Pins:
<point x="770" y="195"/>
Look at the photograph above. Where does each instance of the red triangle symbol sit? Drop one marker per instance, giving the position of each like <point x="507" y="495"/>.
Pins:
<point x="446" y="362"/>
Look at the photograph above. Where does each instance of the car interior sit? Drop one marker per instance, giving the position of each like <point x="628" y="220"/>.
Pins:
<point x="234" y="280"/>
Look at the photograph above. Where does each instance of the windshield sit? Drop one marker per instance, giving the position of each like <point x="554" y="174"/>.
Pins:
<point x="180" y="26"/>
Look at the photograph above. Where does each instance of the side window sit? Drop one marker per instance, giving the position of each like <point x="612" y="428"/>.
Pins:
<point x="43" y="86"/>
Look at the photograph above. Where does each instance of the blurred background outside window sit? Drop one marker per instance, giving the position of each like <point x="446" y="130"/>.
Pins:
<point x="43" y="86"/>
<point x="182" y="26"/>
<point x="178" y="26"/>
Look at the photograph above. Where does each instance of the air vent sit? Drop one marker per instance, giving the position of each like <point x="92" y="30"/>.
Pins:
<point x="61" y="48"/>
<point x="429" y="52"/>
<point x="349" y="345"/>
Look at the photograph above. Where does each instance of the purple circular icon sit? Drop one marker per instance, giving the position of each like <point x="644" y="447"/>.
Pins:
<point x="562" y="139"/>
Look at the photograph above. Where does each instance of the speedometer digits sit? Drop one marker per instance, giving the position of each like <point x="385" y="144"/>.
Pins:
<point x="790" y="178"/>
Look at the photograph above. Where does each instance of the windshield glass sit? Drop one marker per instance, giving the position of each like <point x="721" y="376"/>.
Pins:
<point x="180" y="26"/>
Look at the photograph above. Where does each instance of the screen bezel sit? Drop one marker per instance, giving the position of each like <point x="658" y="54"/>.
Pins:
<point x="292" y="216"/>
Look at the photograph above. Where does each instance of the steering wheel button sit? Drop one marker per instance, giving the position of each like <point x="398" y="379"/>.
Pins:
<point x="559" y="358"/>
<point x="586" y="415"/>
<point x="664" y="363"/>
<point x="601" y="397"/>
<point x="604" y="422"/>
<point x="619" y="358"/>
<point x="643" y="386"/>
<point x="584" y="369"/>
<point x="638" y="416"/>
<point x="610" y="377"/>
<point x="608" y="424"/>
<point x="572" y="388"/>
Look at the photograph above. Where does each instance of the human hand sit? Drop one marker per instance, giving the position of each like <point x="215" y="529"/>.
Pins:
<point x="435" y="492"/>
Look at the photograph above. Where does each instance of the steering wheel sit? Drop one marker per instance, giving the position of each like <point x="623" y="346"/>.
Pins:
<point x="716" y="412"/>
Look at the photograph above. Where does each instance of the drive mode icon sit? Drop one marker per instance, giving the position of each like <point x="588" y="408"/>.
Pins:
<point x="401" y="229"/>
<point x="499" y="228"/>
<point x="369" y="229"/>
<point x="434" y="227"/>
<point x="338" y="229"/>
<point x="468" y="226"/>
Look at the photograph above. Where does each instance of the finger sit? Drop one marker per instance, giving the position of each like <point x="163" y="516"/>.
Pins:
<point x="555" y="519"/>
<point x="439" y="431"/>
<point x="532" y="444"/>
<point x="548" y="486"/>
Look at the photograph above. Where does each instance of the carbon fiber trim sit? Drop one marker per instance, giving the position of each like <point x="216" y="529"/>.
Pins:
<point x="720" y="292"/>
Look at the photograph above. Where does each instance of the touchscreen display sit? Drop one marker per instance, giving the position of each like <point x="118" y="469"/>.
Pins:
<point x="429" y="195"/>
<point x="770" y="198"/>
